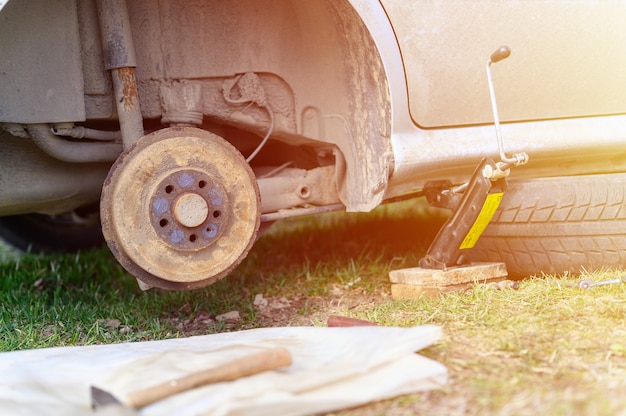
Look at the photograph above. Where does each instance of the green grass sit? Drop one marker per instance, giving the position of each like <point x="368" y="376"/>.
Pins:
<point x="67" y="300"/>
<point x="547" y="348"/>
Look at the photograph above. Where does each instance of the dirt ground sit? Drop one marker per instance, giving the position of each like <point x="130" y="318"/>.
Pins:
<point x="276" y="311"/>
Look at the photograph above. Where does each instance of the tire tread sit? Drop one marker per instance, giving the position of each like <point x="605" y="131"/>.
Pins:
<point x="558" y="225"/>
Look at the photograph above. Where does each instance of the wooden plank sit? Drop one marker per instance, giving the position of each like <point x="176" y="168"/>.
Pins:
<point x="475" y="272"/>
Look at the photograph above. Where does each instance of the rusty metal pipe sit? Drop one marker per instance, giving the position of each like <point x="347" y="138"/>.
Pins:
<point x="119" y="58"/>
<point x="72" y="152"/>
<point x="80" y="132"/>
<point x="127" y="100"/>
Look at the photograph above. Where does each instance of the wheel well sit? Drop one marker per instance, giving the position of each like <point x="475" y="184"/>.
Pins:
<point x="314" y="62"/>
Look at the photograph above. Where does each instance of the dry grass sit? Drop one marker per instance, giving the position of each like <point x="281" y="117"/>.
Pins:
<point x="547" y="348"/>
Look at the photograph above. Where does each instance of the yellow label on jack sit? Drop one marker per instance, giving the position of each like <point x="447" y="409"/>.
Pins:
<point x="486" y="214"/>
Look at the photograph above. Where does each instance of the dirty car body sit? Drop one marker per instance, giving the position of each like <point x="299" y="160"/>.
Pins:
<point x="189" y="125"/>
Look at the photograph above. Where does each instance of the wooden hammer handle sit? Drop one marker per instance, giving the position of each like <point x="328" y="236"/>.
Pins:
<point x="246" y="366"/>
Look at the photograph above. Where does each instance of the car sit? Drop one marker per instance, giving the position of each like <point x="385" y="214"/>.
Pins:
<point x="178" y="130"/>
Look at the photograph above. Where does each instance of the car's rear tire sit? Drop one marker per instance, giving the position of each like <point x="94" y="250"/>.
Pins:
<point x="557" y="225"/>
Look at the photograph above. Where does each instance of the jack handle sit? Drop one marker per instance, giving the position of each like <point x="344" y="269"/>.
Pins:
<point x="518" y="158"/>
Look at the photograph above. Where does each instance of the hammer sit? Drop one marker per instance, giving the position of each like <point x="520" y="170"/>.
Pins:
<point x="266" y="360"/>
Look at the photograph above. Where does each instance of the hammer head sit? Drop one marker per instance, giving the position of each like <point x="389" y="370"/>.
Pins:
<point x="104" y="403"/>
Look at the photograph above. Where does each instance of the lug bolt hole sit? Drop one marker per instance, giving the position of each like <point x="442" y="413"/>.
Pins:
<point x="201" y="184"/>
<point x="193" y="238"/>
<point x="169" y="189"/>
<point x="217" y="214"/>
<point x="163" y="223"/>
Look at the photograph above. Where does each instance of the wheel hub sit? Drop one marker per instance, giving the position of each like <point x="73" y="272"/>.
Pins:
<point x="188" y="210"/>
<point x="191" y="210"/>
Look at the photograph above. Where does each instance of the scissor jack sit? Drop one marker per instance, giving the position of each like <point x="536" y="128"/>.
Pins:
<point x="445" y="266"/>
<point x="472" y="211"/>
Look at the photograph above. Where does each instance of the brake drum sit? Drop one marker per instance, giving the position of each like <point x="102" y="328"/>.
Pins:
<point x="181" y="208"/>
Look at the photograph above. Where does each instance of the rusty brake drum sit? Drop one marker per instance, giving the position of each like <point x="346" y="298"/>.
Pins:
<point x="181" y="208"/>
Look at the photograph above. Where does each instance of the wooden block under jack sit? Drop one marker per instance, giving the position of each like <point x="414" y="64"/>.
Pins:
<point x="415" y="282"/>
